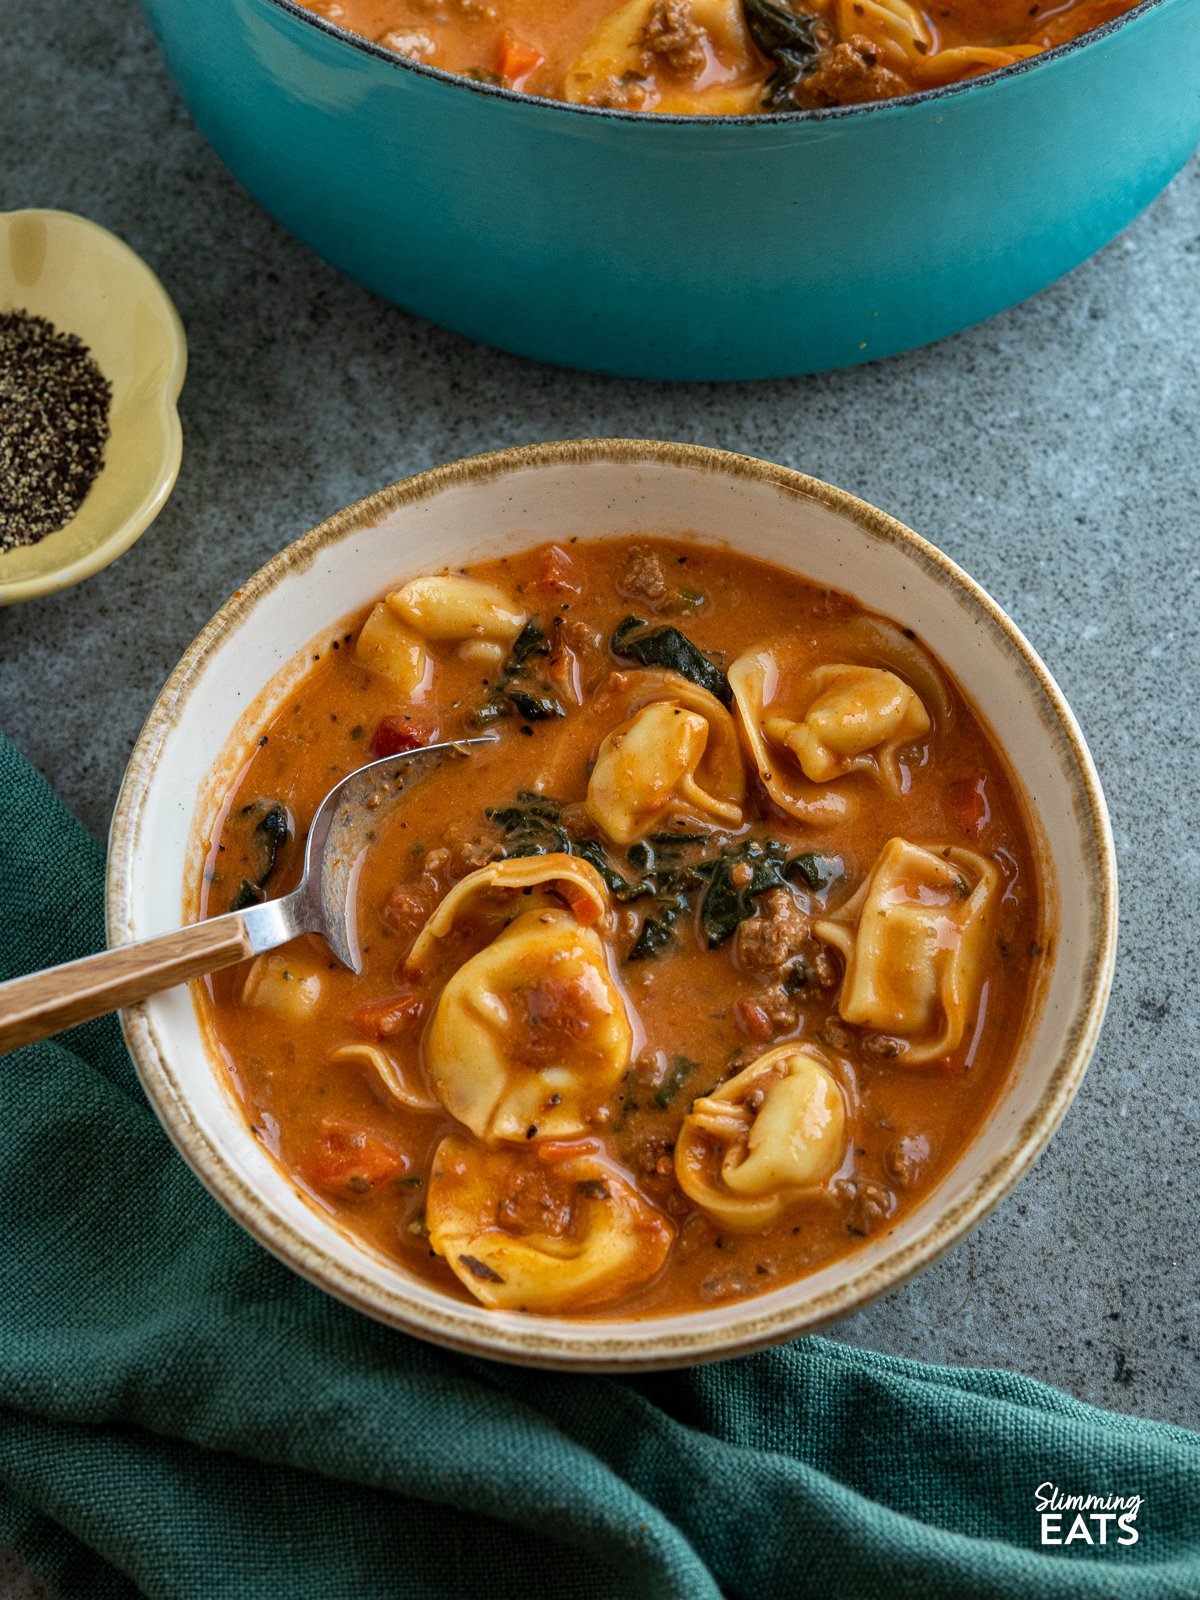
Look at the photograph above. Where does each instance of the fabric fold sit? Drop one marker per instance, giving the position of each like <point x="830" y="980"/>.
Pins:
<point x="181" y="1416"/>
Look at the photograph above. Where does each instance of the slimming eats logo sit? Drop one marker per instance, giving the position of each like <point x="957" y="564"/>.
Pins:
<point x="1086" y="1518"/>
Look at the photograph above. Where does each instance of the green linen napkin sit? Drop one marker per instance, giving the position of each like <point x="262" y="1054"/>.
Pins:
<point x="180" y="1416"/>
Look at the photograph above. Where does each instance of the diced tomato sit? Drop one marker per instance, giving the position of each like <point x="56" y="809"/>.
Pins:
<point x="518" y="57"/>
<point x="556" y="572"/>
<point x="394" y="735"/>
<point x="967" y="804"/>
<point x="581" y="904"/>
<point x="555" y="1150"/>
<point x="352" y="1161"/>
<point x="408" y="905"/>
<point x="754" y="1019"/>
<point x="396" y="1013"/>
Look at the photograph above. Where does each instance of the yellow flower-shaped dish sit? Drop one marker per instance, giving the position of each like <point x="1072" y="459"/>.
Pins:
<point x="86" y="281"/>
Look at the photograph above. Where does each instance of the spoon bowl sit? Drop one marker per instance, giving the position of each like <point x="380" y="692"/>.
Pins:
<point x="323" y="902"/>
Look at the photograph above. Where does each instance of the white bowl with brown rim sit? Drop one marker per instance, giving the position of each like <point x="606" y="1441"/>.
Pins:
<point x="230" y="680"/>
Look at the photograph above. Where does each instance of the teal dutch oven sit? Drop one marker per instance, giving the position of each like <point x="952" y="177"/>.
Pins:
<point x="687" y="247"/>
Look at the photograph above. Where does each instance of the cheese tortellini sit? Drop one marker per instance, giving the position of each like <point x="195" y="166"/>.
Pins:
<point x="530" y="1035"/>
<point x="807" y="725"/>
<point x="531" y="881"/>
<point x="387" y="647"/>
<point x="898" y="30"/>
<point x="754" y="679"/>
<point x="676" y="757"/>
<point x="526" y="1234"/>
<point x="453" y="609"/>
<point x="387" y="1070"/>
<point x="914" y="939"/>
<point x="701" y="72"/>
<point x="856" y="721"/>
<point x="837" y="719"/>
<point x="772" y="1135"/>
<point x="280" y="984"/>
<point x="447" y="609"/>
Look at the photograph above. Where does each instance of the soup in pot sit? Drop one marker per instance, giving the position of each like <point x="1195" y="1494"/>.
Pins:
<point x="720" y="57"/>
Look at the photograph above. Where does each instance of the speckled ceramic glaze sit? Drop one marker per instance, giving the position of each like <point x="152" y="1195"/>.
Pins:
<point x="689" y="247"/>
<point x="230" y="678"/>
<point x="88" y="282"/>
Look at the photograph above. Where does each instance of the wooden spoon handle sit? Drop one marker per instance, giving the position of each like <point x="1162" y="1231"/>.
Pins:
<point x="61" y="997"/>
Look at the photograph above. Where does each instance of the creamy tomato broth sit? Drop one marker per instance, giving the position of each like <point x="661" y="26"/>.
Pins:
<point x="705" y="971"/>
<point x="720" y="57"/>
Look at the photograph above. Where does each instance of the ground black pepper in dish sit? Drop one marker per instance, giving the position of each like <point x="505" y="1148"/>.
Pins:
<point x="54" y="404"/>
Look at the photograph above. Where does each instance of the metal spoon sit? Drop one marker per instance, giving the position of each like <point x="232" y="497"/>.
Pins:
<point x="323" y="902"/>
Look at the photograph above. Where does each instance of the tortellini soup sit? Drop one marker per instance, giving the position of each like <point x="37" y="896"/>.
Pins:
<point x="705" y="968"/>
<point x="718" y="58"/>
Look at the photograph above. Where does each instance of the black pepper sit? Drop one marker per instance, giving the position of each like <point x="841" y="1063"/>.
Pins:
<point x="54" y="425"/>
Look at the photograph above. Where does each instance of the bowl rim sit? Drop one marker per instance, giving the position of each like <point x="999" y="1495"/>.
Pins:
<point x="128" y="532"/>
<point x="631" y="1345"/>
<point x="962" y="86"/>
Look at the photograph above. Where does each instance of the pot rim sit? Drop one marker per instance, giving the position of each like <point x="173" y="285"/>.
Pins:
<point x="631" y="1344"/>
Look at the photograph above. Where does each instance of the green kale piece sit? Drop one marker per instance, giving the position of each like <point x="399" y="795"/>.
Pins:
<point x="270" y="832"/>
<point x="529" y="697"/>
<point x="790" y="37"/>
<point x="664" y="646"/>
<point x="682" y="1068"/>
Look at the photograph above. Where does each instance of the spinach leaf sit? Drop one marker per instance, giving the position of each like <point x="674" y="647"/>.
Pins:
<point x="667" y="874"/>
<point x="666" y="647"/>
<point x="496" y="705"/>
<point x="616" y="883"/>
<point x="535" y="708"/>
<point x="726" y="901"/>
<point x="807" y="866"/>
<point x="539" y="805"/>
<point x="653" y="939"/>
<point x="270" y="832"/>
<point x="640" y="857"/>
<point x="682" y="1068"/>
<point x="531" y="641"/>
<point x="531" y="829"/>
<point x="528" y="698"/>
<point x="790" y="37"/>
<point x="669" y="871"/>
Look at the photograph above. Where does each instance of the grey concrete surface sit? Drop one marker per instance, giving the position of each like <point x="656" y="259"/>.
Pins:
<point x="16" y="1581"/>
<point x="1054" y="452"/>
